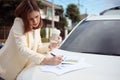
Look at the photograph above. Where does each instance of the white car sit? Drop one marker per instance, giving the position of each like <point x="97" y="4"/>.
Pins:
<point x="96" y="39"/>
<point x="111" y="11"/>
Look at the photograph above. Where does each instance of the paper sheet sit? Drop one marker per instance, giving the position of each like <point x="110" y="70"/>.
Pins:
<point x="70" y="63"/>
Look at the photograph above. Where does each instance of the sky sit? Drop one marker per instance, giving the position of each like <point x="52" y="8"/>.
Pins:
<point x="90" y="7"/>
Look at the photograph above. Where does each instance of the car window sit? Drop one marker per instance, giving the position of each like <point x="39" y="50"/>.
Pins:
<point x="101" y="37"/>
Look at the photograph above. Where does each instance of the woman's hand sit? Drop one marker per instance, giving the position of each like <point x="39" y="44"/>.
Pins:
<point x="54" y="44"/>
<point x="52" y="60"/>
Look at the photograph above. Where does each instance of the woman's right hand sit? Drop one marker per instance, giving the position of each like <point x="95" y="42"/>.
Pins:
<point x="52" y="60"/>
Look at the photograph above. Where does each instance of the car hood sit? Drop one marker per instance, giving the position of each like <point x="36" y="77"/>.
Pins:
<point x="104" y="67"/>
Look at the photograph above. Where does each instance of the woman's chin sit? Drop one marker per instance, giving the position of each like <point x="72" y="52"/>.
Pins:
<point x="35" y="26"/>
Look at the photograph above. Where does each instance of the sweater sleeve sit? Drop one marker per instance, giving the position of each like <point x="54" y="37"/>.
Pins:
<point x="21" y="43"/>
<point x="43" y="48"/>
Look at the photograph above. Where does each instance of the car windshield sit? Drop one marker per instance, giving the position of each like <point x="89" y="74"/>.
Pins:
<point x="97" y="36"/>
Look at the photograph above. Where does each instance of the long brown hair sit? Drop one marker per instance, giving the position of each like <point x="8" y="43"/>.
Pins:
<point x="23" y="9"/>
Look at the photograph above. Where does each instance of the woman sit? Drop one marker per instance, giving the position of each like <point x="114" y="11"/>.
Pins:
<point x="23" y="45"/>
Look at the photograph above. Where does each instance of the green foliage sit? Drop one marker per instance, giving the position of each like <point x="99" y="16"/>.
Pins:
<point x="7" y="8"/>
<point x="59" y="11"/>
<point x="45" y="40"/>
<point x="72" y="12"/>
<point x="62" y="21"/>
<point x="43" y="33"/>
<point x="40" y="4"/>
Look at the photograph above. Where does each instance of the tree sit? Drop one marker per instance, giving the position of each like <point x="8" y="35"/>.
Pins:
<point x="72" y="12"/>
<point x="62" y="21"/>
<point x="7" y="8"/>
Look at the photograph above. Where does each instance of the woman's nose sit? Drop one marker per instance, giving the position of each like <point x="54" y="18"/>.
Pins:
<point x="35" y="21"/>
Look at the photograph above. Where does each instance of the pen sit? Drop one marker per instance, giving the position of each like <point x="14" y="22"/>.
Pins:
<point x="53" y="54"/>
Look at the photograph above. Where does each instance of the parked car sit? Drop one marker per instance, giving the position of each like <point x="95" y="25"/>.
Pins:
<point x="97" y="39"/>
<point x="111" y="11"/>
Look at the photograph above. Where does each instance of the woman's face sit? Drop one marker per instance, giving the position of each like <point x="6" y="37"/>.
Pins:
<point x="34" y="18"/>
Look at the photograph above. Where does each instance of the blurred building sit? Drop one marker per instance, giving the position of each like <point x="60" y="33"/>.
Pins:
<point x="46" y="12"/>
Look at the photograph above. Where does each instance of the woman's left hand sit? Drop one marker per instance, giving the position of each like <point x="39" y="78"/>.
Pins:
<point x="56" y="43"/>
